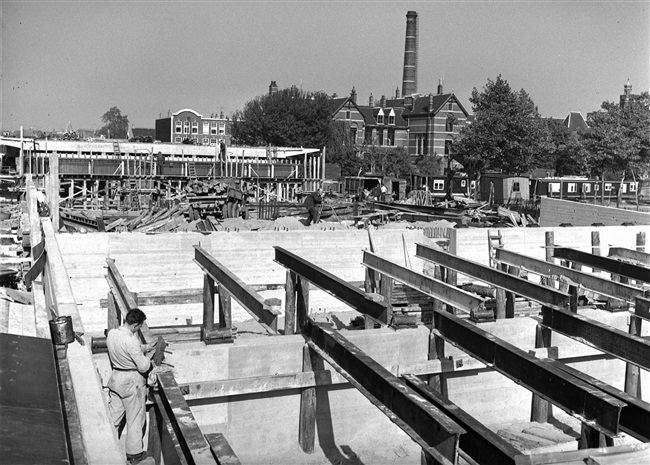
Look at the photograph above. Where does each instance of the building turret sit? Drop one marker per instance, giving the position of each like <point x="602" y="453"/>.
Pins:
<point x="273" y="88"/>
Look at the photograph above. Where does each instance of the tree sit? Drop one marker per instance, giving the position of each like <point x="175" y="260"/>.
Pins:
<point x="116" y="125"/>
<point x="507" y="133"/>
<point x="566" y="153"/>
<point x="427" y="165"/>
<point x="341" y="149"/>
<point x="619" y="138"/>
<point x="288" y="118"/>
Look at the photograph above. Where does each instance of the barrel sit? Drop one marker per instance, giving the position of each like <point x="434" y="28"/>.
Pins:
<point x="61" y="329"/>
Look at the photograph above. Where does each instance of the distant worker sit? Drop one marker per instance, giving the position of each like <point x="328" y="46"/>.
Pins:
<point x="160" y="163"/>
<point x="313" y="204"/>
<point x="127" y="389"/>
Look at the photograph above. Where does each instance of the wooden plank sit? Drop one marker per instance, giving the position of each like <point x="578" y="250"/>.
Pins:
<point x="172" y="451"/>
<point x="579" y="456"/>
<point x="603" y="286"/>
<point x="611" y="265"/>
<point x="428" y="426"/>
<point x="642" y="258"/>
<point x="515" y="284"/>
<point x="632" y="372"/>
<point x="189" y="433"/>
<point x="574" y="396"/>
<point x="307" y="419"/>
<point x="250" y="300"/>
<point x="41" y="314"/>
<point x="631" y="348"/>
<point x="479" y="442"/>
<point x="330" y="283"/>
<point x="221" y="449"/>
<point x="442" y="291"/>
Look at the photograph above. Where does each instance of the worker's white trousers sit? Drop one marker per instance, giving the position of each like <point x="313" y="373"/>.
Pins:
<point x="126" y="396"/>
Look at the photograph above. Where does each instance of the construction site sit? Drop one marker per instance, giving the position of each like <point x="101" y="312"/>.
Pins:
<point x="382" y="337"/>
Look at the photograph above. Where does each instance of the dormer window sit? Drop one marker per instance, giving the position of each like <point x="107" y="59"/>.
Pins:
<point x="380" y="118"/>
<point x="391" y="119"/>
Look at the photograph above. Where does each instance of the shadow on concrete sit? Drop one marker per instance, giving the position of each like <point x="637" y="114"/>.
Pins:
<point x="325" y="431"/>
<point x="338" y="323"/>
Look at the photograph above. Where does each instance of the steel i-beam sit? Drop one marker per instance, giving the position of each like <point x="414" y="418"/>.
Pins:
<point x="611" y="265"/>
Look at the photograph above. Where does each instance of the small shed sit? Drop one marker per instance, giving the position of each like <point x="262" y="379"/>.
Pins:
<point x="504" y="187"/>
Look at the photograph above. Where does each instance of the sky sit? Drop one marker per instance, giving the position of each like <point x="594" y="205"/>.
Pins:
<point x="68" y="62"/>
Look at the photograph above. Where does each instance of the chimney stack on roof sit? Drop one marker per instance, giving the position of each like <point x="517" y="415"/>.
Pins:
<point x="371" y="101"/>
<point x="396" y="92"/>
<point x="410" y="75"/>
<point x="439" y="86"/>
<point x="382" y="101"/>
<point x="430" y="102"/>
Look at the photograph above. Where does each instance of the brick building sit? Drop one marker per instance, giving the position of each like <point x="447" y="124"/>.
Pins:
<point x="188" y="124"/>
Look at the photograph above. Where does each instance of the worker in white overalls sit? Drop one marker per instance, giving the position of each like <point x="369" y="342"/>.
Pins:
<point x="127" y="385"/>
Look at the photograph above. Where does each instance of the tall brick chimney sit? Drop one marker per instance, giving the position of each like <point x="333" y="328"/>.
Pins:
<point x="410" y="76"/>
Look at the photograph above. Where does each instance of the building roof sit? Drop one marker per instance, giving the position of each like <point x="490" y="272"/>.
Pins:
<point x="575" y="122"/>
<point x="421" y="104"/>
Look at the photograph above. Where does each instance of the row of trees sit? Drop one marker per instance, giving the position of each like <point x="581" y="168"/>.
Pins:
<point x="509" y="135"/>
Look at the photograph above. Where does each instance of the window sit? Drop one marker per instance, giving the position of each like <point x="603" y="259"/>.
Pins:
<point x="186" y="127"/>
<point x="206" y="140"/>
<point x="213" y="141"/>
<point x="353" y="135"/>
<point x="450" y="106"/>
<point x="213" y="128"/>
<point x="516" y="187"/>
<point x="449" y="125"/>
<point x="472" y="185"/>
<point x="633" y="186"/>
<point x="463" y="183"/>
<point x="381" y="137"/>
<point x="391" y="119"/>
<point x="179" y="127"/>
<point x="206" y="127"/>
<point x="195" y="127"/>
<point x="368" y="136"/>
<point x="222" y="129"/>
<point x="438" y="185"/>
<point x="380" y="118"/>
<point x="572" y="187"/>
<point x="586" y="187"/>
<point x="623" y="188"/>
<point x="596" y="187"/>
<point x="391" y="137"/>
<point x="177" y="139"/>
<point x="348" y="114"/>
<point x="448" y="145"/>
<point x="608" y="187"/>
<point x="553" y="187"/>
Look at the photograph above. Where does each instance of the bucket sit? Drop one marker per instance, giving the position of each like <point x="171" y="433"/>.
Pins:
<point x="61" y="329"/>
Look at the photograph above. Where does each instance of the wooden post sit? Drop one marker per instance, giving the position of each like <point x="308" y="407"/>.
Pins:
<point x="386" y="284"/>
<point x="549" y="243"/>
<point x="542" y="410"/>
<point x="437" y="352"/>
<point x="307" y="428"/>
<point x="208" y="306"/>
<point x="225" y="314"/>
<point x="632" y="372"/>
<point x="290" y="303"/>
<point x="302" y="302"/>
<point x="510" y="296"/>
<point x="114" y="314"/>
<point x="451" y="276"/>
<point x="501" y="297"/>
<point x="53" y="192"/>
<point x="640" y="241"/>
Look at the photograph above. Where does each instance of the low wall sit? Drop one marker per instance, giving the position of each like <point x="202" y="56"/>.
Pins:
<point x="263" y="428"/>
<point x="165" y="261"/>
<point x="554" y="212"/>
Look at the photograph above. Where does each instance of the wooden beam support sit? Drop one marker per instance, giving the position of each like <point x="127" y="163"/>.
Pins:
<point x="427" y="425"/>
<point x="440" y="290"/>
<point x="632" y="372"/>
<point x="603" y="286"/>
<point x="326" y="281"/>
<point x="188" y="432"/>
<point x="572" y="395"/>
<point x="638" y="256"/>
<point x="611" y="265"/>
<point x="307" y="425"/>
<point x="250" y="300"/>
<point x="479" y="442"/>
<point x="515" y="284"/>
<point x="633" y="349"/>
